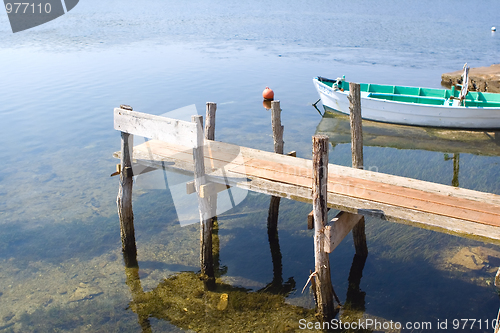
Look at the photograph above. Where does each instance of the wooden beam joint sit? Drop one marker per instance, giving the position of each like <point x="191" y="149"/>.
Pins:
<point x="338" y="228"/>
<point x="206" y="190"/>
<point x="310" y="219"/>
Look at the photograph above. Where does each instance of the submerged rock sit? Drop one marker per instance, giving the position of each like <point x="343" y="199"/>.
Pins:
<point x="486" y="79"/>
<point x="85" y="292"/>
<point x="8" y="317"/>
<point x="476" y="258"/>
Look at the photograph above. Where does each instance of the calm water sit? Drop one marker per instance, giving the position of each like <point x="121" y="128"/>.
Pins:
<point x="60" y="254"/>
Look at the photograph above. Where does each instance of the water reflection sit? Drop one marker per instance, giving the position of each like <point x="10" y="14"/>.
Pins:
<point x="377" y="134"/>
<point x="354" y="306"/>
<point x="456" y="167"/>
<point x="450" y="142"/>
<point x="184" y="300"/>
<point x="276" y="286"/>
<point x="133" y="281"/>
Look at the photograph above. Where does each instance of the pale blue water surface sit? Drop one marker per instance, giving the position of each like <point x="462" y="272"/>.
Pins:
<point x="60" y="252"/>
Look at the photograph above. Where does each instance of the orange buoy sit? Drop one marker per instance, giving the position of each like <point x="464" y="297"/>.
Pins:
<point x="268" y="94"/>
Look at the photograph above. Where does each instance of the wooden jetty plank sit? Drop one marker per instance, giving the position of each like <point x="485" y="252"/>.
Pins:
<point x="485" y="202"/>
<point x="158" y="150"/>
<point x="376" y="176"/>
<point x="436" y="204"/>
<point x="447" y="198"/>
<point x="343" y="181"/>
<point x="156" y="127"/>
<point x="390" y="213"/>
<point x="362" y="184"/>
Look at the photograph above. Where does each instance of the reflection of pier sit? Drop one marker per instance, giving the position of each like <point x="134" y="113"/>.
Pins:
<point x="456" y="167"/>
<point x="183" y="300"/>
<point x="188" y="302"/>
<point x="376" y="134"/>
<point x="487" y="143"/>
<point x="337" y="127"/>
<point x="184" y="147"/>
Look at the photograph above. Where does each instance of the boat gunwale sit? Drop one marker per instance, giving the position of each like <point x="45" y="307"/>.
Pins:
<point x="346" y="92"/>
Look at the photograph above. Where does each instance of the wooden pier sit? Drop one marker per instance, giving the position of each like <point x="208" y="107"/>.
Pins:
<point x="186" y="148"/>
<point x="424" y="204"/>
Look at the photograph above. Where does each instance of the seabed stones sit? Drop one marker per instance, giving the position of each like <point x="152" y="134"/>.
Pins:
<point x="84" y="291"/>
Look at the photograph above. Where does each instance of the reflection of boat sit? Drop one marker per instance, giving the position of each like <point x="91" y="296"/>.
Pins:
<point x="337" y="127"/>
<point x="415" y="106"/>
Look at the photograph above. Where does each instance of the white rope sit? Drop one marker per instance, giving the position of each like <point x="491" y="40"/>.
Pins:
<point x="307" y="282"/>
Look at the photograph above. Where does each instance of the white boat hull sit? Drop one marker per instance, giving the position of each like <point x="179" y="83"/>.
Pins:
<point x="411" y="113"/>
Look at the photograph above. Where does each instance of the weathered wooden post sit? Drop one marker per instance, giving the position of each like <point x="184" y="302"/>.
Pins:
<point x="206" y="256"/>
<point x="124" y="198"/>
<point x="277" y="127"/>
<point x="358" y="232"/>
<point x="213" y="226"/>
<point x="210" y="135"/>
<point x="274" y="204"/>
<point x="356" y="125"/>
<point x="210" y="121"/>
<point x="322" y="283"/>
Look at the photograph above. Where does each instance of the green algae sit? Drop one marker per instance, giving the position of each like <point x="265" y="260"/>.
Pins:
<point x="183" y="300"/>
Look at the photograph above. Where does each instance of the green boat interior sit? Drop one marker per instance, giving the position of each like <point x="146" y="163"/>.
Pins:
<point x="428" y="96"/>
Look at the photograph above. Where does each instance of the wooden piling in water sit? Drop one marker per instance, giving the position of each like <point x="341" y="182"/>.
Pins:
<point x="358" y="232"/>
<point x="274" y="204"/>
<point x="206" y="256"/>
<point x="277" y="127"/>
<point x="210" y="121"/>
<point x="211" y="110"/>
<point x="323" y="284"/>
<point x="210" y="135"/>
<point x="356" y="125"/>
<point x="124" y="198"/>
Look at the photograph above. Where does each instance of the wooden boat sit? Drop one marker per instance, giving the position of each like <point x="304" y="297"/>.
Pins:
<point x="449" y="108"/>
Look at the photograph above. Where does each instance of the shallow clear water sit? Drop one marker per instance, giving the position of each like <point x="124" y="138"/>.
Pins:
<point x="60" y="259"/>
